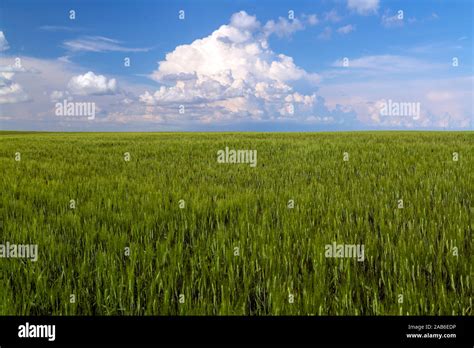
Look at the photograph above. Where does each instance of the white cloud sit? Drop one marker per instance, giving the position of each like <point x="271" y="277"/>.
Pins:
<point x="59" y="28"/>
<point x="325" y="34"/>
<point x="363" y="7"/>
<point x="45" y="82"/>
<point x="346" y="29"/>
<point x="285" y="28"/>
<point x="99" y="44"/>
<point x="3" y="42"/>
<point x="60" y="96"/>
<point x="11" y="92"/>
<point x="440" y="96"/>
<point x="387" y="63"/>
<point x="390" y="21"/>
<point x="332" y="16"/>
<point x="444" y="102"/>
<point x="92" y="84"/>
<point x="312" y="19"/>
<point x="57" y="95"/>
<point x="31" y="81"/>
<point x="233" y="75"/>
<point x="241" y="20"/>
<point x="231" y="72"/>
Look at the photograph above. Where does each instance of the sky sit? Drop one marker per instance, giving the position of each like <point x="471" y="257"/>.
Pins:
<point x="241" y="65"/>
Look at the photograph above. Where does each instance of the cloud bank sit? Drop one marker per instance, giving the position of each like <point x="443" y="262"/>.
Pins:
<point x="234" y="74"/>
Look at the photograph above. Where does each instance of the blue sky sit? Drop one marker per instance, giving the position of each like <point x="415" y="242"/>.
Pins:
<point x="237" y="65"/>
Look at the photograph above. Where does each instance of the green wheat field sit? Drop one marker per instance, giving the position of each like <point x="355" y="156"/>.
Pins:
<point x="174" y="232"/>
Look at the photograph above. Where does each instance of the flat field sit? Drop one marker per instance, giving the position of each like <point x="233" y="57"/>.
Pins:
<point x="173" y="232"/>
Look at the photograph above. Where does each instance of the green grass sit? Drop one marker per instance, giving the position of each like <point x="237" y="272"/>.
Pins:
<point x="190" y="251"/>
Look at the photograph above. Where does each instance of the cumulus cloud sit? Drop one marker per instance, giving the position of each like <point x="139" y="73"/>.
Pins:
<point x="45" y="83"/>
<point x="10" y="92"/>
<point x="3" y="42"/>
<point x="92" y="84"/>
<point x="363" y="7"/>
<point x="346" y="29"/>
<point x="233" y="73"/>
<point x="241" y="20"/>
